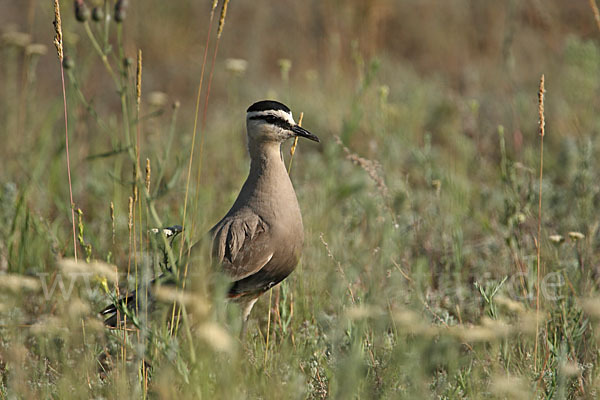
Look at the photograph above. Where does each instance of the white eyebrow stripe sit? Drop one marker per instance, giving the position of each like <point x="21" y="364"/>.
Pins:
<point x="276" y="113"/>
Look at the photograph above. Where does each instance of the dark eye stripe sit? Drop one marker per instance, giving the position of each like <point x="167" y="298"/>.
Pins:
<point x="271" y="119"/>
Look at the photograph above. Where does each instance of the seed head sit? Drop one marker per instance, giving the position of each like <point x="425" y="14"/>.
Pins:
<point x="541" y="92"/>
<point x="36" y="49"/>
<point x="576" y="235"/>
<point x="157" y="99"/>
<point x="68" y="63"/>
<point x="17" y="39"/>
<point x="130" y="214"/>
<point x="138" y="80"/>
<point x="82" y="12"/>
<point x="121" y="10"/>
<point x="222" y="19"/>
<point x="556" y="238"/>
<point x="97" y="14"/>
<point x="58" y="39"/>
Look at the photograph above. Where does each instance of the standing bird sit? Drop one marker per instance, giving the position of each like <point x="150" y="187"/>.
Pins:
<point x="259" y="241"/>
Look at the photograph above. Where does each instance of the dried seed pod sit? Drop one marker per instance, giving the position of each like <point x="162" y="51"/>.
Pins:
<point x="121" y="10"/>
<point x="82" y="12"/>
<point x="98" y="14"/>
<point x="68" y="63"/>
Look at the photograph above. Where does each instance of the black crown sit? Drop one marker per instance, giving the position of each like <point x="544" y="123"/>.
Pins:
<point x="265" y="105"/>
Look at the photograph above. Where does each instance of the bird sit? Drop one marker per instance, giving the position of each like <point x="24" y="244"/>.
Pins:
<point x="258" y="243"/>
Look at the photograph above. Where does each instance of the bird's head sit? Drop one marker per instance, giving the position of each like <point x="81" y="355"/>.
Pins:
<point x="272" y="121"/>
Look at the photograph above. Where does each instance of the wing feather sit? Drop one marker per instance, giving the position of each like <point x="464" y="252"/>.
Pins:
<point x="241" y="244"/>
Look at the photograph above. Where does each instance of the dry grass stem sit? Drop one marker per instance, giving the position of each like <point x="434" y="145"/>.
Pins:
<point x="58" y="43"/>
<point x="594" y="7"/>
<point x="339" y="267"/>
<point x="134" y="192"/>
<point x="138" y="78"/>
<point x="371" y="167"/>
<point x="542" y="125"/>
<point x="112" y="220"/>
<point x="189" y="172"/>
<point x="130" y="214"/>
<point x="196" y="114"/>
<point x="293" y="148"/>
<point x="148" y="171"/>
<point x="268" y="327"/>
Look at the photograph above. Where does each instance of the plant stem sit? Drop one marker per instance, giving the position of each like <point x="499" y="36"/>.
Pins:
<point x="72" y="205"/>
<point x="539" y="227"/>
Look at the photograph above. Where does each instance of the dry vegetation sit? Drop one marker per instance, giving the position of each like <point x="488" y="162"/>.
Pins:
<point x="433" y="266"/>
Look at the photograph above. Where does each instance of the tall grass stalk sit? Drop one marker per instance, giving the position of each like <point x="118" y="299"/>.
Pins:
<point x="203" y="128"/>
<point x="58" y="43"/>
<point x="208" y="86"/>
<point x="138" y="149"/>
<point x="542" y="124"/>
<point x="195" y="130"/>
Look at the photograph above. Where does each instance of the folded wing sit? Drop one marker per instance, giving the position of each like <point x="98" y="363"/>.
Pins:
<point x="241" y="244"/>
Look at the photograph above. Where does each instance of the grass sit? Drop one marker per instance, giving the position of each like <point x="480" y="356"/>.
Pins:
<point x="427" y="243"/>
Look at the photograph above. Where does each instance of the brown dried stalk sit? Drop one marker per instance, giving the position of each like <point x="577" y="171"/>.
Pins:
<point x="148" y="175"/>
<point x="293" y="148"/>
<point x="371" y="167"/>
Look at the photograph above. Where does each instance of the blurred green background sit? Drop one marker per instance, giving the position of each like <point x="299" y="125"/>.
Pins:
<point x="420" y="204"/>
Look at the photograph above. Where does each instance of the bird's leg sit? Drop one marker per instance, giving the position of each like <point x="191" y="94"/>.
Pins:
<point x="246" y="308"/>
<point x="243" y="331"/>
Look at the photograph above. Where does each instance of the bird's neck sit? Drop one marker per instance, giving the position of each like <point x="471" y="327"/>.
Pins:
<point x="266" y="158"/>
<point x="268" y="181"/>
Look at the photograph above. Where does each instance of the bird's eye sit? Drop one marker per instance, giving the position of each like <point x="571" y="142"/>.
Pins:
<point x="270" y="119"/>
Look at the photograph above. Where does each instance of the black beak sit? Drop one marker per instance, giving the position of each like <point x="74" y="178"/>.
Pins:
<point x="300" y="131"/>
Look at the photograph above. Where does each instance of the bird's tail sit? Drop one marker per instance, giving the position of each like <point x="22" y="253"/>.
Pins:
<point x="111" y="313"/>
